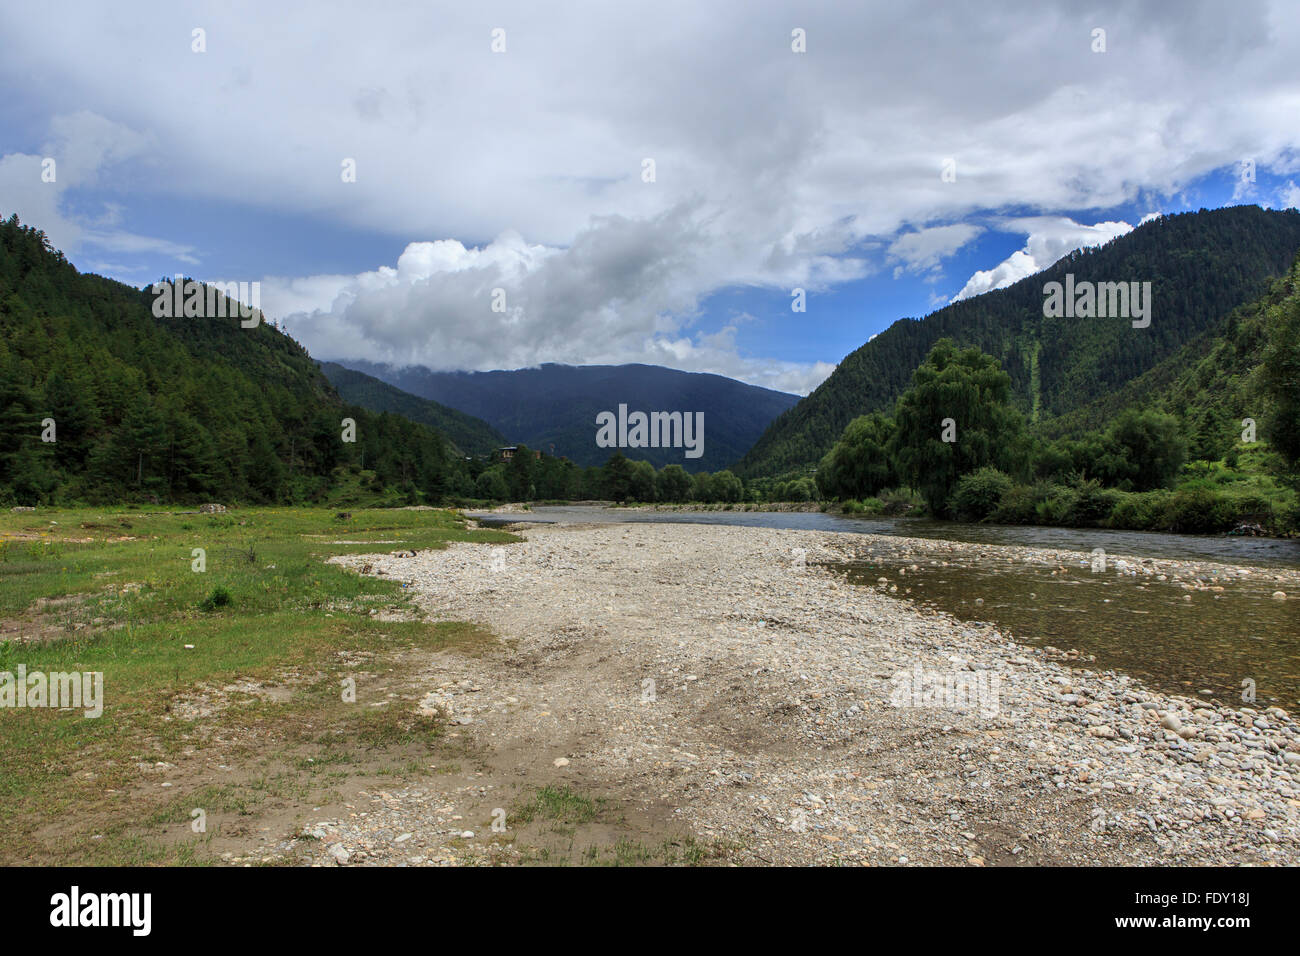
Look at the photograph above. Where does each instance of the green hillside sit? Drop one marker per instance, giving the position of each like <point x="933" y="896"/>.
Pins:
<point x="1207" y="441"/>
<point x="1211" y="384"/>
<point x="178" y="409"/>
<point x="1201" y="265"/>
<point x="470" y="435"/>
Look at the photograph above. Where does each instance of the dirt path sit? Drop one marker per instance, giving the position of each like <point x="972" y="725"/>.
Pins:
<point x="725" y="692"/>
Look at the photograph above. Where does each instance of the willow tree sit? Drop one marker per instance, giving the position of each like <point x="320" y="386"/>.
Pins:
<point x="859" y="464"/>
<point x="955" y="418"/>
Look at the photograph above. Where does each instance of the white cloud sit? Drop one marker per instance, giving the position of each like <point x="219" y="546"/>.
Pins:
<point x="924" y="249"/>
<point x="624" y="291"/>
<point x="83" y="147"/>
<point x="1049" y="238"/>
<point x="35" y="202"/>
<point x="1289" y="195"/>
<point x="774" y="169"/>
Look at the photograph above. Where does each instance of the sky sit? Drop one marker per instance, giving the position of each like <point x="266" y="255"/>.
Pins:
<point x="495" y="185"/>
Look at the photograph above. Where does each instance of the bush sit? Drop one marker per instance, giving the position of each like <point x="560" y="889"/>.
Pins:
<point x="1043" y="502"/>
<point x="1198" y="511"/>
<point x="491" y="484"/>
<point x="978" y="494"/>
<point x="1055" y="504"/>
<point x="901" y="501"/>
<point x="1016" y="506"/>
<point x="800" y="489"/>
<point x="1287" y="519"/>
<point x="219" y="597"/>
<point x="1138" y="511"/>
<point x="1092" y="505"/>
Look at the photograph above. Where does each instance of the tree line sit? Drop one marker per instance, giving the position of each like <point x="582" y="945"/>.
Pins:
<point x="957" y="439"/>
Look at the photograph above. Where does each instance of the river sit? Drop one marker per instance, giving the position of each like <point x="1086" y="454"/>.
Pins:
<point x="1259" y="552"/>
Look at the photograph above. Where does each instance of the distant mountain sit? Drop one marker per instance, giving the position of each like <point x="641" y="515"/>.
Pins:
<point x="470" y="435"/>
<point x="558" y="404"/>
<point x="1201" y="265"/>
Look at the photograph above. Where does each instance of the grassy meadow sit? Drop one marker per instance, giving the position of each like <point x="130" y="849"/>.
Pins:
<point x="267" y="630"/>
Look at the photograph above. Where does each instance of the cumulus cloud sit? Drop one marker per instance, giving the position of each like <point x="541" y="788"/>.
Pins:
<point x="523" y="170"/>
<point x="35" y="202"/>
<point x="1049" y="238"/>
<point x="625" y="290"/>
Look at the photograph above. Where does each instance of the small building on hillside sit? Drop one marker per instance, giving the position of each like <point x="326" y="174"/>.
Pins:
<point x="508" y="452"/>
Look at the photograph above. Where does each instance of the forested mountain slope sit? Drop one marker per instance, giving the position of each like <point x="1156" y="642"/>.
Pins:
<point x="1201" y="265"/>
<point x="144" y="407"/>
<point x="470" y="435"/>
<point x="556" y="405"/>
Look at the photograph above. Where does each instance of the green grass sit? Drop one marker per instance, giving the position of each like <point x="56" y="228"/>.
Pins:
<point x="560" y="805"/>
<point x="114" y="591"/>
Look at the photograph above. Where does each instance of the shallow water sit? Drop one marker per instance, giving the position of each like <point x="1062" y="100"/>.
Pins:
<point x="1263" y="552"/>
<point x="1205" y="647"/>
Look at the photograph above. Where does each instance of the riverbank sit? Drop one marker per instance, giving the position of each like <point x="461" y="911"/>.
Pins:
<point x="910" y="508"/>
<point x="728" y="681"/>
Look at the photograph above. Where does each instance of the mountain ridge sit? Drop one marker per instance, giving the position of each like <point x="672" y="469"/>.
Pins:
<point x="557" y="404"/>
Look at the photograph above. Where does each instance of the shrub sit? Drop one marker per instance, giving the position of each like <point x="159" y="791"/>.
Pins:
<point x="1141" y="511"/>
<point x="1043" y="502"/>
<point x="219" y="597"/>
<point x="1016" y="506"/>
<point x="900" y="501"/>
<point x="1092" y="505"/>
<point x="978" y="494"/>
<point x="1287" y="518"/>
<point x="1198" y="510"/>
<point x="1054" y="504"/>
